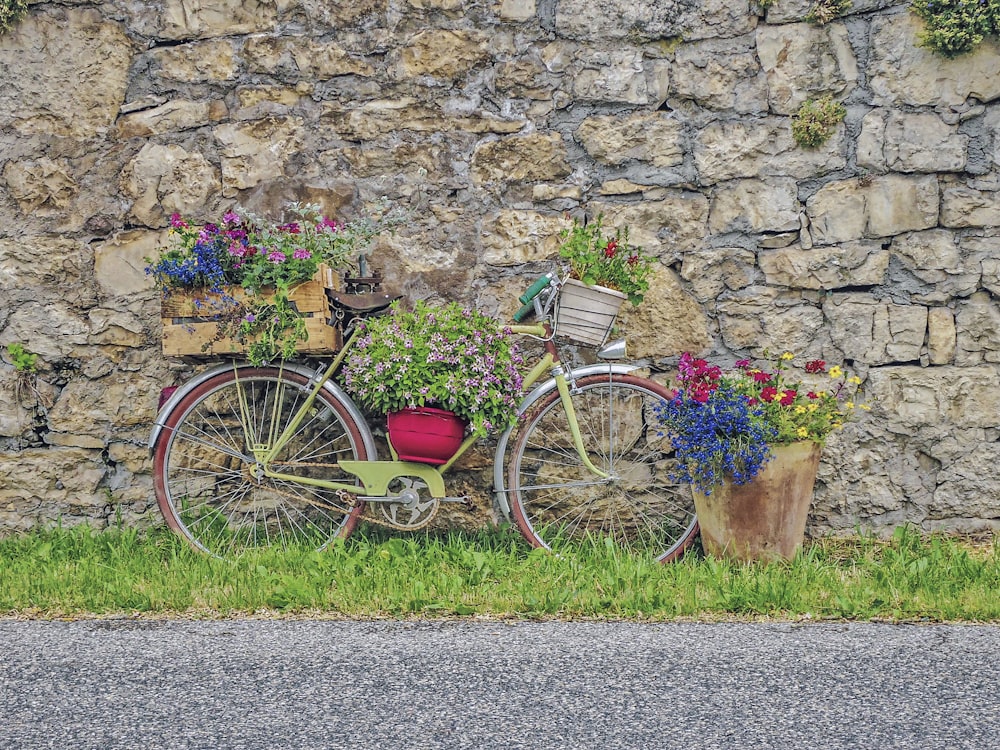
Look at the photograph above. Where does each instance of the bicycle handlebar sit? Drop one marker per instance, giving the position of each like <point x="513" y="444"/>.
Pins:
<point x="527" y="299"/>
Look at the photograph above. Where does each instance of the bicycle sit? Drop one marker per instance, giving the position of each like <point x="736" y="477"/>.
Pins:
<point x="245" y="455"/>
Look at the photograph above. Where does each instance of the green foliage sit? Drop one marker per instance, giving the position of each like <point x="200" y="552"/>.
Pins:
<point x="816" y="120"/>
<point x="824" y="11"/>
<point x="11" y="11"/>
<point x="606" y="260"/>
<point x="447" y="357"/>
<point x="955" y="27"/>
<point x="22" y="359"/>
<point x="374" y="574"/>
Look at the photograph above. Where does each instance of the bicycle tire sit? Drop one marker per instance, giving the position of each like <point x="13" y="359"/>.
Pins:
<point x="555" y="499"/>
<point x="209" y="488"/>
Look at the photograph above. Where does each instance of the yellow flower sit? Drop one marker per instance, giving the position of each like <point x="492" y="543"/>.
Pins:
<point x="802" y="432"/>
<point x="849" y="404"/>
<point x="866" y="407"/>
<point x="836" y="372"/>
<point x="854" y="379"/>
<point x="813" y="407"/>
<point x="800" y="409"/>
<point x="788" y="355"/>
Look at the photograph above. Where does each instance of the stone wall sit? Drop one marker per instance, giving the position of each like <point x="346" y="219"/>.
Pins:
<point x="490" y="121"/>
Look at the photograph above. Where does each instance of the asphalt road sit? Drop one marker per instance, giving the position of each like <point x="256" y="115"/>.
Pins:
<point x="130" y="684"/>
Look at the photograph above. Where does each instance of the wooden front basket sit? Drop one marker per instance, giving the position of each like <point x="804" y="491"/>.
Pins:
<point x="190" y="327"/>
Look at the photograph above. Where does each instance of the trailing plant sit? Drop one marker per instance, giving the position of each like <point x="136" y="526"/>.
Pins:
<point x="955" y="27"/>
<point x="448" y="357"/>
<point x="824" y="11"/>
<point x="608" y="260"/>
<point x="11" y="11"/>
<point x="723" y="424"/>
<point x="816" y="120"/>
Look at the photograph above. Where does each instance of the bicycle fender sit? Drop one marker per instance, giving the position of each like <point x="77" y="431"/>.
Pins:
<point x="540" y="390"/>
<point x="311" y="376"/>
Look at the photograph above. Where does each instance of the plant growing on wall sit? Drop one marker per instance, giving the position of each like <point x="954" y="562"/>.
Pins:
<point x="824" y="11"/>
<point x="11" y="11"/>
<point x="816" y="120"/>
<point x="954" y="27"/>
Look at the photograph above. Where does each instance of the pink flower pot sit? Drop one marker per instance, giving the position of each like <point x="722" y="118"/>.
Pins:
<point x="424" y="434"/>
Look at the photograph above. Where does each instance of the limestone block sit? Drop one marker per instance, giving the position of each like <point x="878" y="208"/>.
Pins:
<point x="63" y="73"/>
<point x="117" y="328"/>
<point x="50" y="329"/>
<point x="162" y="180"/>
<point x="720" y="74"/>
<point x="522" y="158"/>
<point x="965" y="206"/>
<point x="759" y="318"/>
<point x="716" y="18"/>
<point x="525" y="77"/>
<point x="374" y="119"/>
<point x="666" y="227"/>
<point x="804" y="61"/>
<point x="46" y="484"/>
<point x="756" y="206"/>
<point x="16" y="418"/>
<point x="668" y="322"/>
<point x="512" y="237"/>
<point x="923" y="142"/>
<point x="615" y="76"/>
<point x="122" y="399"/>
<point x="197" y="19"/>
<point x="941" y="335"/>
<point x="517" y="11"/>
<point x="855" y="263"/>
<point x="655" y="137"/>
<point x="196" y="62"/>
<point x="442" y="53"/>
<point x="339" y="15"/>
<point x="968" y="487"/>
<point x="937" y="258"/>
<point x="902" y="72"/>
<point x="871" y="142"/>
<point x="887" y="205"/>
<point x="907" y="398"/>
<point x="301" y="56"/>
<point x="873" y="331"/>
<point x="58" y="270"/>
<point x="710" y="271"/>
<point x="641" y="20"/>
<point x="171" y="117"/>
<point x="256" y="151"/>
<point x="977" y="322"/>
<point x="119" y="263"/>
<point x="731" y="149"/>
<point x="409" y="159"/>
<point x="44" y="187"/>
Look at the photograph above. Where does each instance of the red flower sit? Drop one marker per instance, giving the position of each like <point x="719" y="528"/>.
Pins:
<point x="768" y="393"/>
<point x="811" y="395"/>
<point x="761" y="377"/>
<point x="611" y="249"/>
<point x="743" y="363"/>
<point x="817" y="365"/>
<point x="788" y="397"/>
<point x="632" y="260"/>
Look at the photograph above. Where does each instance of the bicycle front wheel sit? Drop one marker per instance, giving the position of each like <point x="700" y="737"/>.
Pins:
<point x="213" y="492"/>
<point x="556" y="499"/>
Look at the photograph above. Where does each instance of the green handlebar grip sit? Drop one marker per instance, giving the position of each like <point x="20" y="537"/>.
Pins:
<point x="524" y="312"/>
<point x="535" y="289"/>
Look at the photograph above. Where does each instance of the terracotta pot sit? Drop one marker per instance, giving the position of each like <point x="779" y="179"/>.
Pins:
<point x="424" y="434"/>
<point x="764" y="519"/>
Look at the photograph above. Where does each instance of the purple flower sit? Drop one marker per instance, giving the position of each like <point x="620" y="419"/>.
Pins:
<point x="301" y="253"/>
<point x="276" y="256"/>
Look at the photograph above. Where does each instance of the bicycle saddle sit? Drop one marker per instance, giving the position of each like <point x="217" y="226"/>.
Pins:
<point x="362" y="303"/>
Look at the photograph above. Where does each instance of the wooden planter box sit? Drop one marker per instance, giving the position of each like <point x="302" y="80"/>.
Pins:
<point x="190" y="328"/>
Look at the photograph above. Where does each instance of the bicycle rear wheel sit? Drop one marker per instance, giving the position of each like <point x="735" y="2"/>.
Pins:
<point x="213" y="493"/>
<point x="556" y="500"/>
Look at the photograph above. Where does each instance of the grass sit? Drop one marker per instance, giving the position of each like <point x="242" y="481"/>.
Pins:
<point x="68" y="573"/>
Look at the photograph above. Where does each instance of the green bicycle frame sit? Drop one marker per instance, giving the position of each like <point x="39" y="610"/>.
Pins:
<point x="375" y="476"/>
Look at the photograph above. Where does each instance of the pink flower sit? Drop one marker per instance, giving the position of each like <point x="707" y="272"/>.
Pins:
<point x="761" y="377"/>
<point x="231" y="217"/>
<point x="788" y="398"/>
<point x="291" y="227"/>
<point x="176" y="222"/>
<point x="301" y="253"/>
<point x="743" y="363"/>
<point x="276" y="256"/>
